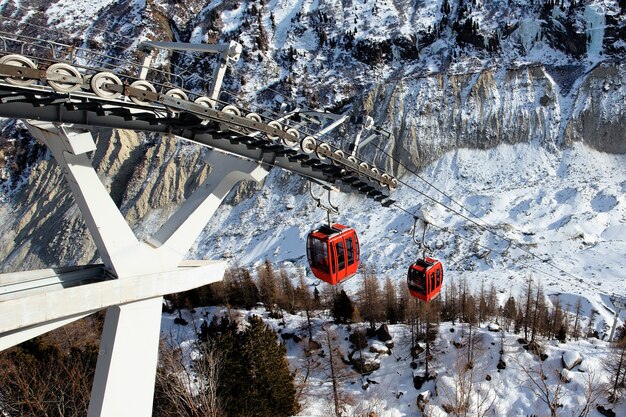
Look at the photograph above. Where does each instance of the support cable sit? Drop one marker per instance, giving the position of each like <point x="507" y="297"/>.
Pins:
<point x="484" y="227"/>
<point x="501" y="253"/>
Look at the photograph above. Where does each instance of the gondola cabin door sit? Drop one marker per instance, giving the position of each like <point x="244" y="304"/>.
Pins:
<point x="424" y="278"/>
<point x="333" y="253"/>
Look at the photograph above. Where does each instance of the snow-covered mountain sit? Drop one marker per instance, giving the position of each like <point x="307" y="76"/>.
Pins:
<point x="514" y="109"/>
<point x="456" y="83"/>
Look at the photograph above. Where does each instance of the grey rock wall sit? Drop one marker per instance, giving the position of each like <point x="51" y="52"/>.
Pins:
<point x="149" y="177"/>
<point x="431" y="115"/>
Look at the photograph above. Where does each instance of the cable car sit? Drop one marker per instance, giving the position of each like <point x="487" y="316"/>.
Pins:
<point x="333" y="252"/>
<point x="424" y="278"/>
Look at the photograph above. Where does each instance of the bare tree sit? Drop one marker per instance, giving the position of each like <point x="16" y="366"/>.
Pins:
<point x="535" y="378"/>
<point x="539" y="310"/>
<point x="288" y="299"/>
<point x="370" y="306"/>
<point x="577" y="311"/>
<point x="527" y="306"/>
<point x="467" y="393"/>
<point x="51" y="375"/>
<point x="391" y="302"/>
<point x="592" y="394"/>
<point x="616" y="365"/>
<point x="337" y="369"/>
<point x="305" y="300"/>
<point x="185" y="387"/>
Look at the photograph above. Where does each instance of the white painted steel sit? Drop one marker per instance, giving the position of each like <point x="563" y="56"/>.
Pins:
<point x="125" y="372"/>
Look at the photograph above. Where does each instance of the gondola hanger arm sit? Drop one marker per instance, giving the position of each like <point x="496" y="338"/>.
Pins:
<point x="420" y="244"/>
<point x="330" y="208"/>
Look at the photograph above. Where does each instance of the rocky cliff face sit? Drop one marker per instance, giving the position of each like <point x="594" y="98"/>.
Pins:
<point x="146" y="177"/>
<point x="149" y="177"/>
<point x="432" y="115"/>
<point x="418" y="70"/>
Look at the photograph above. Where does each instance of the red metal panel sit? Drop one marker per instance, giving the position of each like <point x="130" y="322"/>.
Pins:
<point x="334" y="274"/>
<point x="427" y="278"/>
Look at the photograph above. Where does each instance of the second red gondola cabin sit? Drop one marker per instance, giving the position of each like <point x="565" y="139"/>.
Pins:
<point x="333" y="253"/>
<point x="424" y="278"/>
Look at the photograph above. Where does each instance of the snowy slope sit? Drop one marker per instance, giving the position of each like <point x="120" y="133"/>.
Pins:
<point x="390" y="392"/>
<point x="566" y="207"/>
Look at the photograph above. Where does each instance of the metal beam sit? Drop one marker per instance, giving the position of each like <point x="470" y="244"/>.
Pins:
<point x="39" y="305"/>
<point x="130" y="284"/>
<point x="228" y="52"/>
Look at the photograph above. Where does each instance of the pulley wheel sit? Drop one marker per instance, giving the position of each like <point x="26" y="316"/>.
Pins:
<point x="308" y="144"/>
<point x="275" y="125"/>
<point x="99" y="85"/>
<point x="393" y="184"/>
<point x="353" y="160"/>
<point x="145" y="86"/>
<point x="322" y="146"/>
<point x="253" y="117"/>
<point x="364" y="167"/>
<point x="230" y="109"/>
<point x="385" y="180"/>
<point x="376" y="172"/>
<point x="65" y="71"/>
<point x="340" y="155"/>
<point x="205" y="102"/>
<point x="178" y="95"/>
<point x="293" y="141"/>
<point x="18" y="61"/>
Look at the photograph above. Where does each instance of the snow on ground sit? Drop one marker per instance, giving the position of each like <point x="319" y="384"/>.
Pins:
<point x="66" y="14"/>
<point x="390" y="392"/>
<point x="564" y="210"/>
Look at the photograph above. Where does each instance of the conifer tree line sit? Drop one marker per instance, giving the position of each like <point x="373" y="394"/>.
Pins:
<point x="381" y="300"/>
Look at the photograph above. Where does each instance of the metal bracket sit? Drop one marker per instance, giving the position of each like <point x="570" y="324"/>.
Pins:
<point x="228" y="52"/>
<point x="420" y="244"/>
<point x="330" y="208"/>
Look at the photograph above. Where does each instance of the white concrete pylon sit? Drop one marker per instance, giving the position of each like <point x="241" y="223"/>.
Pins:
<point x="125" y="372"/>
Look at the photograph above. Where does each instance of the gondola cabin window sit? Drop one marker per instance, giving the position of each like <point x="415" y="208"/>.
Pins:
<point x="333" y="253"/>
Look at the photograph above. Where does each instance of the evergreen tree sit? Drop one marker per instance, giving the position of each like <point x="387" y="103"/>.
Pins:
<point x="268" y="285"/>
<point x="510" y="311"/>
<point x="342" y="308"/>
<point x="256" y="381"/>
<point x="316" y="298"/>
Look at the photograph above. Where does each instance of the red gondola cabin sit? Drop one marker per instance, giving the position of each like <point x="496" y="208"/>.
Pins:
<point x="333" y="253"/>
<point x="424" y="278"/>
